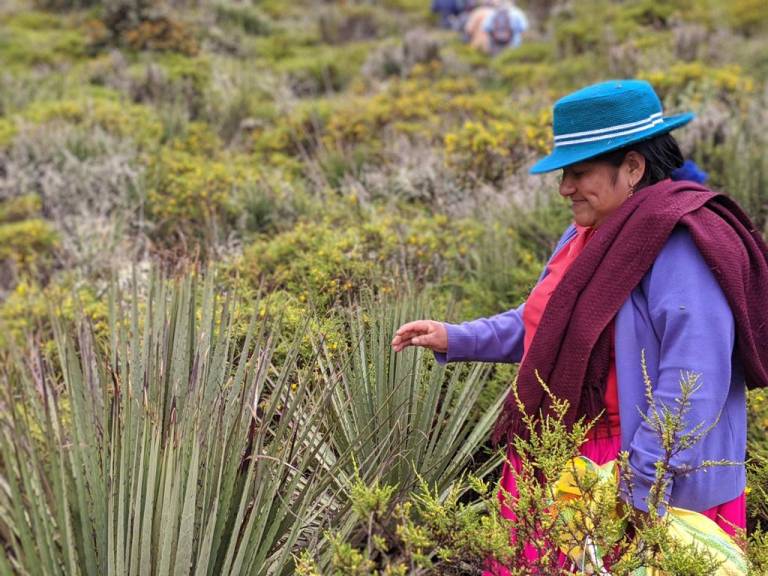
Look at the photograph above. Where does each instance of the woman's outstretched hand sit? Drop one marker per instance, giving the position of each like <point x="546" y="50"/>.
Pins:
<point x="427" y="333"/>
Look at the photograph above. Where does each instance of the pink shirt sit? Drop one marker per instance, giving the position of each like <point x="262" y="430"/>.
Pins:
<point x="534" y="310"/>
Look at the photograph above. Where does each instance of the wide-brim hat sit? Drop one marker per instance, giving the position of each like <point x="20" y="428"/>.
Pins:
<point x="605" y="117"/>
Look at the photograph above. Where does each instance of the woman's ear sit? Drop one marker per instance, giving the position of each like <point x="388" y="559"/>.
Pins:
<point x="634" y="164"/>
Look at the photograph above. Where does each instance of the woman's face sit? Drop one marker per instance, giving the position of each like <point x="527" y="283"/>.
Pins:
<point x="596" y="189"/>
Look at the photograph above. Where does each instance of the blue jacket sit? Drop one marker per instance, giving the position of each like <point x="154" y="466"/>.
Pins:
<point x="679" y="316"/>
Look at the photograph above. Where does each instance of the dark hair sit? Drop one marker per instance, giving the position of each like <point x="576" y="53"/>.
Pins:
<point x="662" y="155"/>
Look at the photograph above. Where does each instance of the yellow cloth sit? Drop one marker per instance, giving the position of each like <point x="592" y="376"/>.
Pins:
<point x="685" y="526"/>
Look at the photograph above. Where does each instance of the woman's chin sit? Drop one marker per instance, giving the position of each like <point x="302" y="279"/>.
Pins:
<point x="583" y="220"/>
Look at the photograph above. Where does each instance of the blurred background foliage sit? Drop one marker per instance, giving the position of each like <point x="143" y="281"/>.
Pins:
<point x="321" y="159"/>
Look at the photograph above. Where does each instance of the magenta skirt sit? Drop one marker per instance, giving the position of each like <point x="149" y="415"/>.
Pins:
<point x="730" y="516"/>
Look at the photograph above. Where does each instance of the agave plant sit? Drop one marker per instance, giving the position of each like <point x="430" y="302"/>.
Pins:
<point x="173" y="442"/>
<point x="402" y="417"/>
<point x="174" y="448"/>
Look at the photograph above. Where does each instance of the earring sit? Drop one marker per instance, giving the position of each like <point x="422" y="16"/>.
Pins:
<point x="631" y="190"/>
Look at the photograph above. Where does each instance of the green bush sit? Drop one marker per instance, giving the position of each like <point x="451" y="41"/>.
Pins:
<point x="336" y="259"/>
<point x="456" y="530"/>
<point x="317" y="70"/>
<point x="190" y="198"/>
<point x="139" y="123"/>
<point x="747" y="16"/>
<point x="28" y="243"/>
<point x="39" y="39"/>
<point x="19" y="208"/>
<point x="248" y="18"/>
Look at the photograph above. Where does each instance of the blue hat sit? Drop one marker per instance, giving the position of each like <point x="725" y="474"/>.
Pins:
<point x="605" y="117"/>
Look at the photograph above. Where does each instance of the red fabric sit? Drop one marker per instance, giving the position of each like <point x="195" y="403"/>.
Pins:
<point x="619" y="254"/>
<point x="730" y="516"/>
<point x="534" y="309"/>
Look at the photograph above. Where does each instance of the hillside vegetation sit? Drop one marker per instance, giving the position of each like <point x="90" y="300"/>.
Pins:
<point x="214" y="215"/>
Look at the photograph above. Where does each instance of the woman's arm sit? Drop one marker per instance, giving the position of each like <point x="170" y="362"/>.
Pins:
<point x="695" y="329"/>
<point x="499" y="338"/>
<point x="495" y="339"/>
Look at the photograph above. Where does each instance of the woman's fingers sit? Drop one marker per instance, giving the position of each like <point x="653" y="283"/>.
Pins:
<point x="405" y="334"/>
<point x="417" y="326"/>
<point x="426" y="333"/>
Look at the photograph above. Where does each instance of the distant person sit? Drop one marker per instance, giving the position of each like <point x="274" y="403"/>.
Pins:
<point x="453" y="13"/>
<point x="492" y="29"/>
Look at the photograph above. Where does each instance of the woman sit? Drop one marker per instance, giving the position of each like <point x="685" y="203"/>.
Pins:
<point x="668" y="269"/>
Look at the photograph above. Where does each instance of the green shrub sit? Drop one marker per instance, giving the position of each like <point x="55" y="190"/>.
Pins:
<point x="190" y="198"/>
<point x="7" y="133"/>
<point x="737" y="165"/>
<point x="529" y="52"/>
<point x="316" y="70"/>
<point x="354" y="23"/>
<point x="296" y="133"/>
<point x="747" y="16"/>
<point x="19" y="208"/>
<point x="38" y="38"/>
<point x="171" y="80"/>
<point x="757" y="552"/>
<point x="249" y="19"/>
<point x="27" y="310"/>
<point x="336" y="259"/>
<point x="727" y="82"/>
<point x="65" y="4"/>
<point x="458" y="529"/>
<point x="139" y="123"/>
<point x="28" y="243"/>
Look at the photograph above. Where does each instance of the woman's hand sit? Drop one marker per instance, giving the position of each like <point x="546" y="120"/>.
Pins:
<point x="427" y="333"/>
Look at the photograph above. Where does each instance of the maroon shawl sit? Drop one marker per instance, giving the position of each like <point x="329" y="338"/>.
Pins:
<point x="571" y="348"/>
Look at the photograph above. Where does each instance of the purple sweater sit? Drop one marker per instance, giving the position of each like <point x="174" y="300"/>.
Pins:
<point x="679" y="315"/>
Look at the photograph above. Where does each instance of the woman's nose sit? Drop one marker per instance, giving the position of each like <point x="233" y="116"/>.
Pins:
<point x="566" y="186"/>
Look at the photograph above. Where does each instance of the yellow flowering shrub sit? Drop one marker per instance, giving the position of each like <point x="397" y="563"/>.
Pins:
<point x="294" y="133"/>
<point x="420" y="106"/>
<point x="747" y="16"/>
<point x="757" y="415"/>
<point x="190" y="196"/>
<point x="134" y="121"/>
<point x="27" y="243"/>
<point x="39" y="38"/>
<point x="19" y="208"/>
<point x="7" y="132"/>
<point x="700" y="80"/>
<point x="28" y="307"/>
<point x="319" y="69"/>
<point x="320" y="262"/>
<point x="493" y="149"/>
<point x="197" y="138"/>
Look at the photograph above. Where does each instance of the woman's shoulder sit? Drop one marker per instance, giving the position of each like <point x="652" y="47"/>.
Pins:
<point x="679" y="245"/>
<point x="680" y="263"/>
